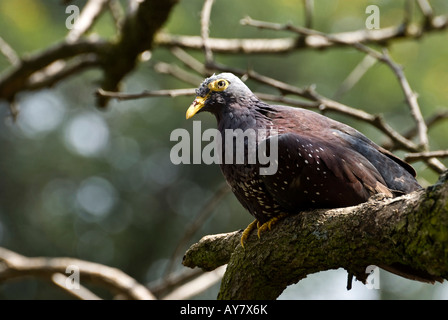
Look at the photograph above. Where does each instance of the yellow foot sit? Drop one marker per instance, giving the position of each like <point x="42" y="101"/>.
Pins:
<point x="247" y="231"/>
<point x="261" y="227"/>
<point x="270" y="223"/>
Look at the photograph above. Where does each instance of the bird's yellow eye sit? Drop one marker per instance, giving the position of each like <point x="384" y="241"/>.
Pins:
<point x="218" y="85"/>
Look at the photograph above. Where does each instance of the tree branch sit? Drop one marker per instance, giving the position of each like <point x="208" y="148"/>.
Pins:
<point x="425" y="155"/>
<point x="16" y="79"/>
<point x="146" y="94"/>
<point x="13" y="265"/>
<point x="409" y="231"/>
<point x="285" y="45"/>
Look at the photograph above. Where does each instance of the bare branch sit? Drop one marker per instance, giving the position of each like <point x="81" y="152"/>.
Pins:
<point x="163" y="286"/>
<point x="197" y="222"/>
<point x="9" y="52"/>
<point x="15" y="80"/>
<point x="189" y="60"/>
<point x="196" y="286"/>
<point x="426" y="9"/>
<point x="411" y="157"/>
<point x="309" y="10"/>
<point x="175" y="71"/>
<point x="411" y="99"/>
<point x="13" y="265"/>
<point x="205" y="29"/>
<point x="430" y="122"/>
<point x="60" y="70"/>
<point x="283" y="45"/>
<point x="117" y="13"/>
<point x="226" y="45"/>
<point x="146" y="94"/>
<point x="247" y="46"/>
<point x="353" y="78"/>
<point x="81" y="292"/>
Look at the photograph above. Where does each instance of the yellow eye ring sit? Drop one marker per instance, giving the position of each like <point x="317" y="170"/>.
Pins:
<point x="218" y="85"/>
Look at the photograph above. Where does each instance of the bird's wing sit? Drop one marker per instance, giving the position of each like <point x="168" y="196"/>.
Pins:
<point x="397" y="174"/>
<point x="313" y="172"/>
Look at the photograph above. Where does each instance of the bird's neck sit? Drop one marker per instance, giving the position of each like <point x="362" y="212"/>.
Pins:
<point x="248" y="117"/>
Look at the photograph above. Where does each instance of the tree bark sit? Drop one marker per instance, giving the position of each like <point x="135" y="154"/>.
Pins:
<point x="408" y="231"/>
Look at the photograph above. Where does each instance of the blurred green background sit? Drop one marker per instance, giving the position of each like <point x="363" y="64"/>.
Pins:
<point x="99" y="185"/>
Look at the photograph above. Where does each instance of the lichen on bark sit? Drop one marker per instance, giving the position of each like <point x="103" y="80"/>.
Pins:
<point x="405" y="235"/>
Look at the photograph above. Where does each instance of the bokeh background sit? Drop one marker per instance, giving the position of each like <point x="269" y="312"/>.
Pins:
<point x="99" y="185"/>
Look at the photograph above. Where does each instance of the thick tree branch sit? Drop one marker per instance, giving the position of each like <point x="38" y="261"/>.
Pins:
<point x="117" y="58"/>
<point x="409" y="231"/>
<point x="17" y="78"/>
<point x="137" y="34"/>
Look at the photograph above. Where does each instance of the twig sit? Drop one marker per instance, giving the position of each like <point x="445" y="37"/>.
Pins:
<point x="14" y="110"/>
<point x="411" y="157"/>
<point x="117" y="13"/>
<point x="309" y="9"/>
<point x="411" y="99"/>
<point x="198" y="221"/>
<point x="430" y="122"/>
<point x="197" y="285"/>
<point x="319" y="104"/>
<point x="163" y="286"/>
<point x="146" y="94"/>
<point x="81" y="292"/>
<point x="189" y="60"/>
<point x="408" y="9"/>
<point x="205" y="29"/>
<point x="353" y="78"/>
<point x="14" y="265"/>
<point x="247" y="46"/>
<point x="175" y="71"/>
<point x="9" y="52"/>
<point x="426" y="10"/>
<point x="60" y="70"/>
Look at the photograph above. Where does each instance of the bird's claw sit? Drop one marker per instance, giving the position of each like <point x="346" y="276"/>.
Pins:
<point x="261" y="227"/>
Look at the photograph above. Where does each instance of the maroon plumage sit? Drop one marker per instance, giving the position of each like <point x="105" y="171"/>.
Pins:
<point x="322" y="163"/>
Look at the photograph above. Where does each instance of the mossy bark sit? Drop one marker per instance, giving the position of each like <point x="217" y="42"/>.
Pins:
<point x="407" y="233"/>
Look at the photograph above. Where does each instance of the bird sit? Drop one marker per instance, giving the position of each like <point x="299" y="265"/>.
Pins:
<point x="322" y="163"/>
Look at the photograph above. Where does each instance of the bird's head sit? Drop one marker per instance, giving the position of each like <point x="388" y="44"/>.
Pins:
<point x="217" y="93"/>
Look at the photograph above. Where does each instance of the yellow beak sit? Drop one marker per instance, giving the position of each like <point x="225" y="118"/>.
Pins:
<point x="197" y="104"/>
